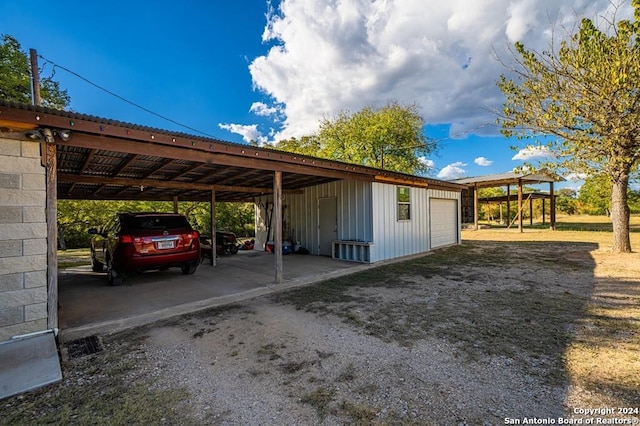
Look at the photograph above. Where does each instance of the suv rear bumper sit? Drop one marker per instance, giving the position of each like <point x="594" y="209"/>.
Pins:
<point x="156" y="261"/>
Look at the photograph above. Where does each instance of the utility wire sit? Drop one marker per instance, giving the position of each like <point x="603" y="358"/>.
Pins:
<point x="122" y="98"/>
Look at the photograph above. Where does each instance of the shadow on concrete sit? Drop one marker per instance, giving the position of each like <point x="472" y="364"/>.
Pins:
<point x="87" y="305"/>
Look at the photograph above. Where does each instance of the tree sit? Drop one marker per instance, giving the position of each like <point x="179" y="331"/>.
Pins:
<point x="15" y="78"/>
<point x="566" y="201"/>
<point x="306" y="145"/>
<point x="490" y="211"/>
<point x="234" y="217"/>
<point x="75" y="217"/>
<point x="586" y="94"/>
<point x="390" y="138"/>
<point x="595" y="195"/>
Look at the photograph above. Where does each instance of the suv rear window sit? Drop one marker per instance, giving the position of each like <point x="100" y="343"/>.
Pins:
<point x="154" y="222"/>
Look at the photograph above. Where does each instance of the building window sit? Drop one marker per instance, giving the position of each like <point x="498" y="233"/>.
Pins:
<point x="404" y="203"/>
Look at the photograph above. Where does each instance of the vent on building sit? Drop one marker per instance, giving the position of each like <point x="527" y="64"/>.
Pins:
<point x="84" y="346"/>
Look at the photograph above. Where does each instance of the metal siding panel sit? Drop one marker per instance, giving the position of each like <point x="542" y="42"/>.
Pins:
<point x="377" y="222"/>
<point x="367" y="211"/>
<point x="354" y="212"/>
<point x="393" y="238"/>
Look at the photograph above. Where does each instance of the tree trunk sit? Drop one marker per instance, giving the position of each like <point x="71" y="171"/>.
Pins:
<point x="62" y="243"/>
<point x="620" y="216"/>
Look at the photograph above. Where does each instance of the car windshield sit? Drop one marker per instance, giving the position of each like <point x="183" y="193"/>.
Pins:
<point x="154" y="222"/>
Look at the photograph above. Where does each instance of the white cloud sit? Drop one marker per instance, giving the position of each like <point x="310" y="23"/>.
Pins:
<point x="248" y="132"/>
<point x="575" y="177"/>
<point x="483" y="161"/>
<point x="328" y="56"/>
<point x="452" y="171"/>
<point x="533" y="153"/>
<point x="430" y="164"/>
<point x="264" y="110"/>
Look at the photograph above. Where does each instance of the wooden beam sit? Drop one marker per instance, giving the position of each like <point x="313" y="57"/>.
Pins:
<point x="520" y="205"/>
<point x="398" y="181"/>
<point x="125" y="164"/>
<point x="212" y="210"/>
<point x="166" y="163"/>
<point x="108" y="135"/>
<point x="552" y="207"/>
<point x="63" y="177"/>
<point x="277" y="233"/>
<point x="230" y="158"/>
<point x="16" y="126"/>
<point x="476" y="208"/>
<point x="51" y="214"/>
<point x="508" y="206"/>
<point x="530" y="210"/>
<point x="107" y="129"/>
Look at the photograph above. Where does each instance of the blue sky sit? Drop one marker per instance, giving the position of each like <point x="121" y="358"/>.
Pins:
<point x="262" y="70"/>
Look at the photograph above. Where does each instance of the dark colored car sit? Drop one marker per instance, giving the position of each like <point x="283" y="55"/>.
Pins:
<point x="226" y="243"/>
<point x="142" y="241"/>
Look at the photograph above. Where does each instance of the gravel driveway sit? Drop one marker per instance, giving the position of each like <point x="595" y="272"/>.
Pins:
<point x="476" y="334"/>
<point x="469" y="335"/>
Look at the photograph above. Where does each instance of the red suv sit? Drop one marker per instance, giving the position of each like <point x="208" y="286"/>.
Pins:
<point x="143" y="241"/>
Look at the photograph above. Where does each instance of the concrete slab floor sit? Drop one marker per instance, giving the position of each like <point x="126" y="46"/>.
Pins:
<point x="87" y="305"/>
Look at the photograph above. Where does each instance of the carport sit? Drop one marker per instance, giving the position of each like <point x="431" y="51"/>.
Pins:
<point x="471" y="201"/>
<point x="88" y="157"/>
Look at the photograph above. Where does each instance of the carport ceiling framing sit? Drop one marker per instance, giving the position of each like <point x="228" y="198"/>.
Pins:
<point x="108" y="160"/>
<point x="111" y="160"/>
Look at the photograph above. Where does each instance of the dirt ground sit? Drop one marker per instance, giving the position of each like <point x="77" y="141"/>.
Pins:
<point x="502" y="329"/>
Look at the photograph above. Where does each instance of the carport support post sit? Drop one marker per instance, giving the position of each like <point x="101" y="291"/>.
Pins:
<point x="530" y="210"/>
<point x="49" y="150"/>
<point x="277" y="233"/>
<point x="51" y="206"/>
<point x="212" y="260"/>
<point x="508" y="222"/>
<point x="475" y="207"/>
<point x="175" y="204"/>
<point x="520" y="205"/>
<point x="552" y="207"/>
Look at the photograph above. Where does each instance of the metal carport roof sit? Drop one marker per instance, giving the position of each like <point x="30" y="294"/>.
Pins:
<point x="104" y="159"/>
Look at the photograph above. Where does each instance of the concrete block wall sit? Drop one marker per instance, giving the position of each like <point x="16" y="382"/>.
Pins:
<point x="23" y="239"/>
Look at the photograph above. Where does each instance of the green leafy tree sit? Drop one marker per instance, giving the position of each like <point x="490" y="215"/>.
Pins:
<point x="566" y="201"/>
<point x="306" y="145"/>
<point x="75" y="217"/>
<point x="586" y="94"/>
<point x="595" y="195"/>
<point x="238" y="218"/>
<point x="390" y="137"/>
<point x="490" y="211"/>
<point x="15" y="78"/>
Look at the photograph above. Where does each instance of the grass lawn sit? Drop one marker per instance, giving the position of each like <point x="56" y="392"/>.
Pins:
<point x="566" y="222"/>
<point x="74" y="257"/>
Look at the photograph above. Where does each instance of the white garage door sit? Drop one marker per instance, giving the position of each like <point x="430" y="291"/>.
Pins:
<point x="444" y="222"/>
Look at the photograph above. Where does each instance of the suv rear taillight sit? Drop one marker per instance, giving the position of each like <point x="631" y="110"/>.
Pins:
<point x="125" y="239"/>
<point x="192" y="237"/>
